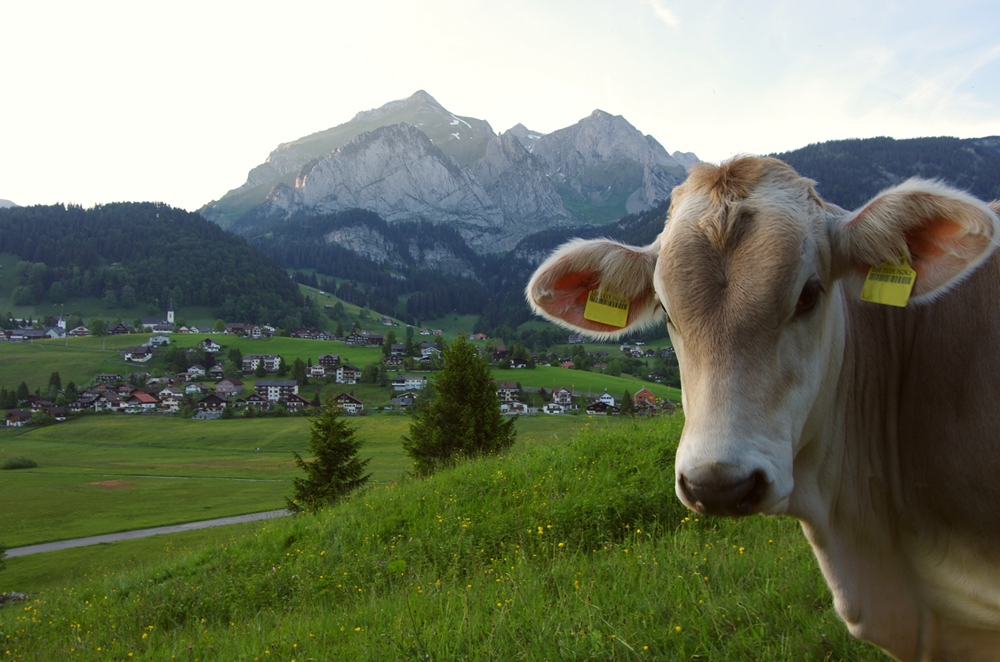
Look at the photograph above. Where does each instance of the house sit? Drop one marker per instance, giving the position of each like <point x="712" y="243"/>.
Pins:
<point x="17" y="418"/>
<point x="387" y="321"/>
<point x="212" y="402"/>
<point x="210" y="345"/>
<point x="78" y="332"/>
<point x="427" y="353"/>
<point x="576" y="339"/>
<point x="397" y="349"/>
<point x="121" y="328"/>
<point x="425" y="332"/>
<point x="404" y="400"/>
<point x="562" y="396"/>
<point x="58" y="413"/>
<point x="228" y="387"/>
<point x="276" y="389"/>
<point x="348" y="374"/>
<point x="512" y="408"/>
<point x="329" y="360"/>
<point x="644" y="398"/>
<point x="507" y="391"/>
<point x="553" y="408"/>
<point x="408" y="382"/>
<point x="196" y="371"/>
<point x="478" y="336"/>
<point x="107" y="401"/>
<point x="374" y="340"/>
<point x="216" y="371"/>
<point x="194" y="389"/>
<point x="518" y="362"/>
<point x="159" y="340"/>
<point x="236" y="328"/>
<point x="312" y="334"/>
<point x="357" y="339"/>
<point x="607" y="399"/>
<point x="139" y="402"/>
<point x="107" y="378"/>
<point x="170" y="399"/>
<point x="348" y="403"/>
<point x="272" y="362"/>
<point x="393" y="361"/>
<point x="317" y="370"/>
<point x="499" y="353"/>
<point x="295" y="402"/>
<point x="256" y="401"/>
<point x="602" y="409"/>
<point x="136" y="354"/>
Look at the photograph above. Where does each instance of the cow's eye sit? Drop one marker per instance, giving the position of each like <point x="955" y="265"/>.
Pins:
<point x="809" y="297"/>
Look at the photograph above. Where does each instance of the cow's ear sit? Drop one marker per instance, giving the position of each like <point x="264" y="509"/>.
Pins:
<point x="943" y="232"/>
<point x="620" y="276"/>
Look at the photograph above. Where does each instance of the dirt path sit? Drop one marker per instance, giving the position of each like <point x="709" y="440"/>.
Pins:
<point x="142" y="533"/>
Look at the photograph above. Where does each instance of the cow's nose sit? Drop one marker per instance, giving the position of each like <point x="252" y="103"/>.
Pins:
<point x="713" y="497"/>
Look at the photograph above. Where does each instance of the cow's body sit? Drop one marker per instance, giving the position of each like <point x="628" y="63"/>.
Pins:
<point x="877" y="427"/>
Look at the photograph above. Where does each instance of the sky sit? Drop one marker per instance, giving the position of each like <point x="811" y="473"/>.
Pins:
<point x="175" y="102"/>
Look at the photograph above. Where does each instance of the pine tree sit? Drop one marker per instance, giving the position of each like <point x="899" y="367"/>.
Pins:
<point x="628" y="405"/>
<point x="336" y="471"/>
<point x="461" y="418"/>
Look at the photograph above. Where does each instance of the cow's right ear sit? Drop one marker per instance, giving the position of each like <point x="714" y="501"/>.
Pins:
<point x="561" y="287"/>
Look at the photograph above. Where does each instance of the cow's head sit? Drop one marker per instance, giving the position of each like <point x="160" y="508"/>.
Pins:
<point x="751" y="272"/>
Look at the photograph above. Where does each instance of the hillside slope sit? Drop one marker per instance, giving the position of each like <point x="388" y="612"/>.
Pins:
<point x="569" y="550"/>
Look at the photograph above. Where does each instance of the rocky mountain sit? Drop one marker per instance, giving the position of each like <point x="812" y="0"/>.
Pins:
<point x="6" y="204"/>
<point x="414" y="160"/>
<point x="605" y="162"/>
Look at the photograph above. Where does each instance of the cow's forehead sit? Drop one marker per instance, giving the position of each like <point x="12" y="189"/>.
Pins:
<point x="738" y="239"/>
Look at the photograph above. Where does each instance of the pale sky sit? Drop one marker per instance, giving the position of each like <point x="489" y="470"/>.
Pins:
<point x="176" y="102"/>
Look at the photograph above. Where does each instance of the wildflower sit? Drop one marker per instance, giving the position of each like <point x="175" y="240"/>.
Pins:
<point x="677" y="629"/>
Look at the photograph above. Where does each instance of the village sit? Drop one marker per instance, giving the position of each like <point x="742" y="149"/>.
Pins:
<point x="215" y="386"/>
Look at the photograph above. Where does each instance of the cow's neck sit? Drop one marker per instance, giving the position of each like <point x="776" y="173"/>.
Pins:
<point x="847" y="490"/>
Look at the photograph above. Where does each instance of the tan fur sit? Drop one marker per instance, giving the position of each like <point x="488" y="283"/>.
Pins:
<point x="831" y="408"/>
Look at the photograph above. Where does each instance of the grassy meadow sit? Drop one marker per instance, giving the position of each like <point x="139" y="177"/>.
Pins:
<point x="569" y="550"/>
<point x="108" y="473"/>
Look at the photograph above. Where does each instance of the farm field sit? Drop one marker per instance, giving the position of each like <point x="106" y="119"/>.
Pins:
<point x="108" y="473"/>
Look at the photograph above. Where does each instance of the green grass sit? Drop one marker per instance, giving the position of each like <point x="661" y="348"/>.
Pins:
<point x="574" y="550"/>
<point x="55" y="570"/>
<point x="109" y="473"/>
<point x="549" y="377"/>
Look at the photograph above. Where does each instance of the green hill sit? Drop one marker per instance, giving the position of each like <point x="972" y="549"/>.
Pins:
<point x="565" y="551"/>
<point x="136" y="257"/>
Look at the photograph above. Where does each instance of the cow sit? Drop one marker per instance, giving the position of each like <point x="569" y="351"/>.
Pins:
<point x="874" y="423"/>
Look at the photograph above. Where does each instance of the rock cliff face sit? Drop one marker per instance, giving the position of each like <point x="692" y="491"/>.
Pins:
<point x="604" y="159"/>
<point x="414" y="160"/>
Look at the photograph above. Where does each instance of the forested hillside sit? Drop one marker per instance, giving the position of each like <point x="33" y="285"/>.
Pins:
<point x="851" y="172"/>
<point x="395" y="275"/>
<point x="144" y="252"/>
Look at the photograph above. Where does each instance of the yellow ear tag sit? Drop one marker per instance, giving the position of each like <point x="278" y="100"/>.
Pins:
<point x="889" y="283"/>
<point x="606" y="308"/>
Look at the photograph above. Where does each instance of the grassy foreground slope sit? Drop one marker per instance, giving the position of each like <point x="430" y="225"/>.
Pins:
<point x="570" y="551"/>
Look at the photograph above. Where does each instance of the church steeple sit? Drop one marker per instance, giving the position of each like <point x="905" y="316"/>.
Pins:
<point x="170" y="312"/>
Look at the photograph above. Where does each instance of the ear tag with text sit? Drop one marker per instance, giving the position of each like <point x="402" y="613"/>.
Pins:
<point x="889" y="283"/>
<point x="606" y="308"/>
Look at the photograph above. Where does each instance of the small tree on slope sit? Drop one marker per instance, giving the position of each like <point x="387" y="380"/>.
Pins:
<point x="336" y="470"/>
<point x="463" y="417"/>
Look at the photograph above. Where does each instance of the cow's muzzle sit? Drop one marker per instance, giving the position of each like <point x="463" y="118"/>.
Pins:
<point x="714" y="497"/>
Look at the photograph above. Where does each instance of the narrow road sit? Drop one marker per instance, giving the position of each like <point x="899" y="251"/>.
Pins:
<point x="142" y="533"/>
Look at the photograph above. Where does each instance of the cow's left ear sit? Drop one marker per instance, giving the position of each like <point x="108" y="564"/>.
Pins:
<point x="945" y="234"/>
<point x="600" y="287"/>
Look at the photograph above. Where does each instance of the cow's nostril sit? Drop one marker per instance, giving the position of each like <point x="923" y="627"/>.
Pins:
<point x="717" y="498"/>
